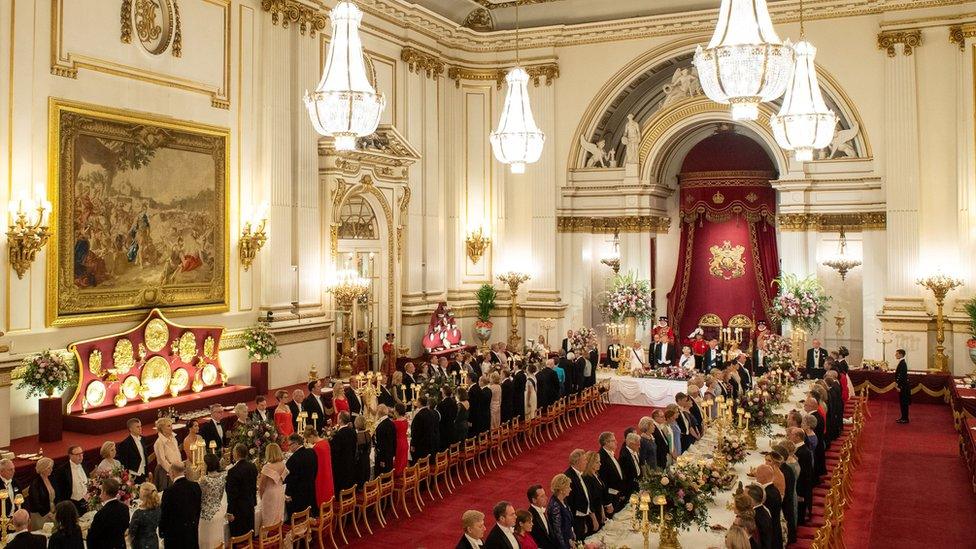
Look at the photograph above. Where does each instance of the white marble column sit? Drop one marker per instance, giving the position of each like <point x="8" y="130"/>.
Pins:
<point x="874" y="252"/>
<point x="543" y="286"/>
<point x="308" y="221"/>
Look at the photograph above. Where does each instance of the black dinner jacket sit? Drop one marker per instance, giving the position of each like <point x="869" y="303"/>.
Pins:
<point x="497" y="540"/>
<point x="508" y="399"/>
<point x="355" y="404"/>
<point x="295" y="410"/>
<point x="548" y="382"/>
<point x="804" y="481"/>
<point x="713" y="358"/>
<point x="764" y="524"/>
<point x="209" y="433"/>
<point x="311" y="406"/>
<point x="774" y="502"/>
<point x="422" y="433"/>
<point x="447" y="409"/>
<point x="128" y="454"/>
<point x="385" y="445"/>
<point x="661" y="354"/>
<point x="241" y="487"/>
<point x="343" y="446"/>
<point x="818" y="361"/>
<point x="661" y="445"/>
<point x="180" y="517"/>
<point x="108" y="528"/>
<point x="27" y="540"/>
<point x="631" y="468"/>
<point x="612" y="479"/>
<point x="594" y="357"/>
<point x="61" y="480"/>
<point x="577" y="500"/>
<point x="303" y="467"/>
<point x="253" y="415"/>
<point x="901" y="374"/>
<point x="540" y="532"/>
<point x="518" y="393"/>
<point x="463" y="543"/>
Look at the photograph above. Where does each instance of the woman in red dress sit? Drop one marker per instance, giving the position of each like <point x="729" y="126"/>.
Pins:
<point x="523" y="530"/>
<point x="402" y="444"/>
<point x="282" y="414"/>
<point x="324" y="487"/>
<point x="339" y="402"/>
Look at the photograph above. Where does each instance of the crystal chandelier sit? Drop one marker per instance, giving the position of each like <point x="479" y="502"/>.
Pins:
<point x="804" y="122"/>
<point x="349" y="287"/>
<point x="613" y="260"/>
<point x="345" y="105"/>
<point x="745" y="63"/>
<point x="517" y="141"/>
<point x="841" y="263"/>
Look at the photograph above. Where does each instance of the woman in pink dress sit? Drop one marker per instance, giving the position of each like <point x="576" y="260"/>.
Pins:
<point x="402" y="445"/>
<point x="271" y="489"/>
<point x="282" y="414"/>
<point x="324" y="487"/>
<point x="339" y="401"/>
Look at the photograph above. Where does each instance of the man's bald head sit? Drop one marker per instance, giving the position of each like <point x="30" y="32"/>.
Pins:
<point x="796" y="435"/>
<point x="764" y="474"/>
<point x="19" y="520"/>
<point x="810" y="404"/>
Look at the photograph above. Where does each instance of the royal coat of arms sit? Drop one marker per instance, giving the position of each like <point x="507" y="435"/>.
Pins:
<point x="727" y="261"/>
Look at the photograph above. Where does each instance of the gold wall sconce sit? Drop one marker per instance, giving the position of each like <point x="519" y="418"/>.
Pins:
<point x="477" y="242"/>
<point x="253" y="237"/>
<point x="28" y="232"/>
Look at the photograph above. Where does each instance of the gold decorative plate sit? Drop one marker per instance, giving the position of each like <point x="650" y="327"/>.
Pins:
<point x="209" y="374"/>
<point x="157" y="334"/>
<point x="209" y="347"/>
<point x="95" y="363"/>
<point x="130" y="387"/>
<point x="122" y="358"/>
<point x="188" y="347"/>
<point x="95" y="393"/>
<point x="120" y="400"/>
<point x="156" y="375"/>
<point x="181" y="378"/>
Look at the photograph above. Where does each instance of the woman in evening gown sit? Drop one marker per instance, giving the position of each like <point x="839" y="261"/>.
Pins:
<point x="271" y="489"/>
<point x="213" y="503"/>
<point x="339" y="401"/>
<point x="461" y="422"/>
<point x="324" y="486"/>
<point x="282" y="414"/>
<point x="496" y="400"/>
<point x="402" y="445"/>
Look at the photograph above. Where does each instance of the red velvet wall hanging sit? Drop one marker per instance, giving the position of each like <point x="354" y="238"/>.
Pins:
<point x="727" y="259"/>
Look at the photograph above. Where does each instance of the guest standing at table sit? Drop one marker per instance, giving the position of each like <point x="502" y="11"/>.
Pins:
<point x="523" y="530"/>
<point x="108" y="453"/>
<point x="402" y="443"/>
<point x="192" y="436"/>
<point x="904" y="389"/>
<point x="71" y="480"/>
<point x="111" y="522"/>
<point x="21" y="537"/>
<point x="213" y="503"/>
<point x="179" y="519"/>
<point x="145" y="519"/>
<point x="133" y="451"/>
<point x="314" y="404"/>
<point x="558" y="515"/>
<point x="66" y="533"/>
<point x="40" y="495"/>
<point x="302" y="468"/>
<point x="167" y="452"/>
<point x="282" y="414"/>
<point x="339" y="401"/>
<point x="343" y="446"/>
<point x="295" y="406"/>
<point x="271" y="486"/>
<point x="385" y="441"/>
<point x="241" y="488"/>
<point x="212" y="430"/>
<point x="324" y="485"/>
<point x="364" y="447"/>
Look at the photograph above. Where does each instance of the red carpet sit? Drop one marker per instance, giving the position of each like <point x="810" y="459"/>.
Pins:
<point x="911" y="488"/>
<point x="440" y="524"/>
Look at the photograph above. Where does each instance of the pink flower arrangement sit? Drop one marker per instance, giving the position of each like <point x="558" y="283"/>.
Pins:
<point x="582" y="339"/>
<point x="801" y="301"/>
<point x="127" y="489"/>
<point x="629" y="297"/>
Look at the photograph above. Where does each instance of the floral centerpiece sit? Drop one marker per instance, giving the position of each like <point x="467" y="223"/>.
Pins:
<point x="256" y="435"/>
<point x="734" y="450"/>
<point x="127" y="490"/>
<point x="800" y="301"/>
<point x="46" y="372"/>
<point x="628" y="297"/>
<point x="717" y="476"/>
<point x="582" y="339"/>
<point x="685" y="487"/>
<point x="759" y="405"/>
<point x="669" y="372"/>
<point x="432" y="386"/>
<point x="778" y="351"/>
<point x="260" y="343"/>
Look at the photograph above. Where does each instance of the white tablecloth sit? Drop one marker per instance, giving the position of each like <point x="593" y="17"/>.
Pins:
<point x="618" y="532"/>
<point x="635" y="391"/>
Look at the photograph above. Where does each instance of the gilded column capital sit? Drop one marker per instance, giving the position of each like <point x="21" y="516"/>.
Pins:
<point x="909" y="38"/>
<point x="289" y="12"/>
<point x="421" y="61"/>
<point x="959" y="33"/>
<point x="610" y="225"/>
<point x="549" y="71"/>
<point x="832" y="222"/>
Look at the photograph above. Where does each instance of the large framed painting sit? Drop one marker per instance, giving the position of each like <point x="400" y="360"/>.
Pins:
<point x="140" y="215"/>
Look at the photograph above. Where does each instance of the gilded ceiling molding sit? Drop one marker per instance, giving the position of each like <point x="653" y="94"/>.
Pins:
<point x="959" y="33"/>
<point x="832" y="222"/>
<point x="499" y="5"/>
<point x="623" y="224"/>
<point x="910" y="38"/>
<point x="288" y="12"/>
<point x="421" y="61"/>
<point x="479" y="20"/>
<point x="549" y="71"/>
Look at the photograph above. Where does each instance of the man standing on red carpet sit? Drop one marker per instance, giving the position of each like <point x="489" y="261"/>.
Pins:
<point x="904" y="389"/>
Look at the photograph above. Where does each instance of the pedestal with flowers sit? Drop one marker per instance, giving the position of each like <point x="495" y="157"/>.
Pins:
<point x="803" y="303"/>
<point x="628" y="301"/>
<point x="260" y="344"/>
<point x="41" y="375"/>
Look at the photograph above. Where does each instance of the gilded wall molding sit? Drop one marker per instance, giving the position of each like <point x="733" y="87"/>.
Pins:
<point x="959" y="33"/>
<point x="420" y="61"/>
<point x="623" y="224"/>
<point x="549" y="71"/>
<point x="288" y="12"/>
<point x="832" y="222"/>
<point x="909" y="38"/>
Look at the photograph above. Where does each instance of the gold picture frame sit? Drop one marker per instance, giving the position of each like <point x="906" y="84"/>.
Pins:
<point x="104" y="168"/>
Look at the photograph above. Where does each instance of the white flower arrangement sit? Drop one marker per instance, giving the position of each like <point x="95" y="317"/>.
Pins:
<point x="260" y="343"/>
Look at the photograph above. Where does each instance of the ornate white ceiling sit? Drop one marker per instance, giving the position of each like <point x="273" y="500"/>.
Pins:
<point x="540" y="13"/>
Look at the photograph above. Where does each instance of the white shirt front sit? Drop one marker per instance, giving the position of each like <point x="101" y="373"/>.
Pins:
<point x="542" y="516"/>
<point x="635" y="457"/>
<point x="472" y="541"/>
<point x="510" y="534"/>
<point x="142" y="456"/>
<point x="79" y="482"/>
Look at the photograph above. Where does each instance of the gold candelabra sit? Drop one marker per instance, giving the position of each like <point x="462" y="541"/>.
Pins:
<point x="643" y="520"/>
<point x="514" y="279"/>
<point x="370" y="384"/>
<point x="347" y="289"/>
<point x="941" y="285"/>
<point x="7" y="513"/>
<point x="476" y="243"/>
<point x="28" y="233"/>
<point x="547" y="324"/>
<point x="253" y="237"/>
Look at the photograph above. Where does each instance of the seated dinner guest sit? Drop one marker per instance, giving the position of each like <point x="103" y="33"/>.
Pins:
<point x="145" y="519"/>
<point x="473" y="529"/>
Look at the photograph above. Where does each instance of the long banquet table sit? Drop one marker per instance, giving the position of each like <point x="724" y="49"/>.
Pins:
<point x="618" y="532"/>
<point x="636" y="391"/>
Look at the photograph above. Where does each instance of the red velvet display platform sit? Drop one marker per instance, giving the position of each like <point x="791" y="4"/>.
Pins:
<point x="108" y="419"/>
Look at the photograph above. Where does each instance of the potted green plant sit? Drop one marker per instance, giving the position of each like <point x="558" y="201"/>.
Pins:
<point x="260" y="344"/>
<point x="486" y="302"/>
<point x="971" y="342"/>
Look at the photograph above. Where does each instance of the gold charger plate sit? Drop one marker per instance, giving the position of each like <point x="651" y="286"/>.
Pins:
<point x="156" y="375"/>
<point x="95" y="393"/>
<point x="130" y="387"/>
<point x="157" y="334"/>
<point x="122" y="358"/>
<point x="187" y="347"/>
<point x="209" y="374"/>
<point x="181" y="378"/>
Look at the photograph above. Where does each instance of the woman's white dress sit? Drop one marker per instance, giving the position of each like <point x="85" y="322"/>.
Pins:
<point x="213" y="508"/>
<point x="531" y="397"/>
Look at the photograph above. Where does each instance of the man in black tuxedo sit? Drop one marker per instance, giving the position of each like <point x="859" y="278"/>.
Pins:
<point x="713" y="356"/>
<point x="352" y="397"/>
<point x="815" y="360"/>
<point x="21" y="538"/>
<point x="295" y="406"/>
<point x="566" y="342"/>
<point x="474" y="406"/>
<point x="343" y="443"/>
<point x="686" y="421"/>
<point x="548" y="385"/>
<point x="408" y="382"/>
<point x="664" y="351"/>
<point x="302" y="469"/>
<point x="578" y="499"/>
<point x="212" y="430"/>
<point x="541" y="531"/>
<point x="611" y="473"/>
<point x="804" y="481"/>
<point x="502" y="536"/>
<point x="447" y="409"/>
<point x="773" y="501"/>
<point x="567" y="361"/>
<point x="835" y="401"/>
<point x="179" y="520"/>
<point x="630" y="464"/>
<point x="314" y="403"/>
<point x="473" y="526"/>
<point x="241" y="488"/>
<point x="904" y="389"/>
<point x="260" y="411"/>
<point x="579" y="370"/>
<point x="71" y="480"/>
<point x="7" y="480"/>
<point x="133" y="451"/>
<point x="742" y="369"/>
<point x="518" y="391"/>
<point x="111" y="522"/>
<point x="422" y="431"/>
<point x="763" y="518"/>
<point x="779" y="455"/>
<point x="508" y="396"/>
<point x="385" y="441"/>
<point x="610" y="360"/>
<point x="661" y="446"/>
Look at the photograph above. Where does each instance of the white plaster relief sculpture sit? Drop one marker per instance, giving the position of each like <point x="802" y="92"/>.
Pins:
<point x="599" y="158"/>
<point x="684" y="84"/>
<point x="842" y="144"/>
